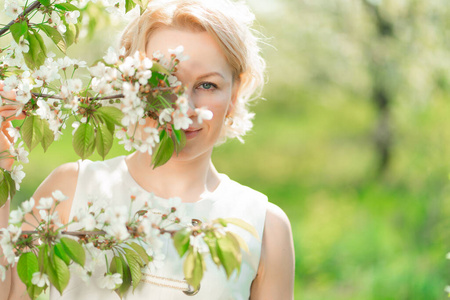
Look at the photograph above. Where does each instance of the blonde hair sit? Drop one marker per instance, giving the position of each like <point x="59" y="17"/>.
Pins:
<point x="229" y="23"/>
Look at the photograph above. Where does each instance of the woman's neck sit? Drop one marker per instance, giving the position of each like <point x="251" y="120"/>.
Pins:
<point x="186" y="179"/>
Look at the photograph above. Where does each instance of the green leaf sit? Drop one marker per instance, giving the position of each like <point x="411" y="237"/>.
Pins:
<point x="34" y="291"/>
<point x="135" y="269"/>
<point x="38" y="51"/>
<point x="179" y="140"/>
<point x="157" y="67"/>
<point x="61" y="253"/>
<point x="32" y="131"/>
<point x="193" y="268"/>
<point x="70" y="35"/>
<point x="45" y="2"/>
<point x="18" y="29"/>
<point x="241" y="223"/>
<point x="54" y="35"/>
<point x="74" y="250"/>
<point x="84" y="140"/>
<point x="129" y="5"/>
<point x="126" y="278"/>
<point x="116" y="267"/>
<point x="181" y="241"/>
<point x="111" y="114"/>
<point x="103" y="140"/>
<point x="11" y="184"/>
<point x="66" y="6"/>
<point x="242" y="244"/>
<point x="27" y="266"/>
<point x="141" y="251"/>
<point x="229" y="257"/>
<point x="43" y="258"/>
<point x="4" y="190"/>
<point x="211" y="240"/>
<point x="48" y="136"/>
<point x="58" y="273"/>
<point x="164" y="150"/>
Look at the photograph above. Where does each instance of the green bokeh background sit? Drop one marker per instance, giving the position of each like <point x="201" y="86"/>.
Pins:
<point x="357" y="235"/>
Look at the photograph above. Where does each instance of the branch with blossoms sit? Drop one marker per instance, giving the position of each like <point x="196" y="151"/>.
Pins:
<point x="126" y="242"/>
<point x="121" y="94"/>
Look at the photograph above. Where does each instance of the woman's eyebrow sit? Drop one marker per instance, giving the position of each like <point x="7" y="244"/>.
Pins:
<point x="210" y="75"/>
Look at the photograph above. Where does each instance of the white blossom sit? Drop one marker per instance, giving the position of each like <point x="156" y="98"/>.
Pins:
<point x="40" y="279"/>
<point x="45" y="203"/>
<point x="203" y="114"/>
<point x="110" y="281"/>
<point x="2" y="273"/>
<point x="14" y="133"/>
<point x="13" y="8"/>
<point x="17" y="175"/>
<point x="59" y="196"/>
<point x="178" y="53"/>
<point x="181" y="120"/>
<point x="72" y="16"/>
<point x="16" y="216"/>
<point x="19" y="152"/>
<point x="79" y="271"/>
<point x="166" y="115"/>
<point x="27" y="206"/>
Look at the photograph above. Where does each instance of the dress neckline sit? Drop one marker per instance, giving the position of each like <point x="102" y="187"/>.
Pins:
<point x="205" y="196"/>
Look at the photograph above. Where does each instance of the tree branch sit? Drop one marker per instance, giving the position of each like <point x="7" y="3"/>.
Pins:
<point x="33" y="6"/>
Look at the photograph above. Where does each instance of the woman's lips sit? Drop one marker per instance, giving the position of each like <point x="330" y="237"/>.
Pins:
<point x="191" y="132"/>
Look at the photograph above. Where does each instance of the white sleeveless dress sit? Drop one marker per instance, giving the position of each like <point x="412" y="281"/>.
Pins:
<point x="111" y="180"/>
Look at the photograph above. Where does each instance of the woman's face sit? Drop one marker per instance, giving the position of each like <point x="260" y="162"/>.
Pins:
<point x="208" y="80"/>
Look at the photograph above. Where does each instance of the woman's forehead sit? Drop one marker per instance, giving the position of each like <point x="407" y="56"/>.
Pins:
<point x="205" y="55"/>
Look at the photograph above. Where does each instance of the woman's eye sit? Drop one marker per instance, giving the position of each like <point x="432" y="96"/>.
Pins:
<point x="207" y="86"/>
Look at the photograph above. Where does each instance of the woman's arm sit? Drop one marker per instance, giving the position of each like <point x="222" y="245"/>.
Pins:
<point x="63" y="178"/>
<point x="275" y="277"/>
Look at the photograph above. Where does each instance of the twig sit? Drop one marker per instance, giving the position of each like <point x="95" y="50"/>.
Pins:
<point x="86" y="233"/>
<point x="33" y="6"/>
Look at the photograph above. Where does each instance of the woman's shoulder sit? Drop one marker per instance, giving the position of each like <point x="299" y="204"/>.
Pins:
<point x="236" y="189"/>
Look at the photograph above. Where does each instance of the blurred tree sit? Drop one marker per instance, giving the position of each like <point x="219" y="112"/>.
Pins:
<point x="383" y="51"/>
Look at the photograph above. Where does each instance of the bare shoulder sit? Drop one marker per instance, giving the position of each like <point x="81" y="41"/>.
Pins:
<point x="275" y="277"/>
<point x="63" y="178"/>
<point x="277" y="220"/>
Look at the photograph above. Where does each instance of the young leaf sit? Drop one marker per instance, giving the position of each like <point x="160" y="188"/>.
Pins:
<point x="66" y="6"/>
<point x="48" y="136"/>
<point x="32" y="131"/>
<point x="34" y="291"/>
<point x="61" y="253"/>
<point x="27" y="266"/>
<point x="193" y="268"/>
<point x="83" y="140"/>
<point x="111" y="114"/>
<point x="116" y="265"/>
<point x="179" y="140"/>
<point x="4" y="191"/>
<point x="11" y="184"/>
<point x="141" y="251"/>
<point x="58" y="273"/>
<point x="242" y="244"/>
<point x="227" y="254"/>
<point x="103" y="140"/>
<point x="164" y="150"/>
<point x="45" y="2"/>
<point x="54" y="35"/>
<point x="129" y="5"/>
<point x="181" y="241"/>
<point x="18" y="29"/>
<point x="126" y="278"/>
<point x="241" y="223"/>
<point x="211" y="241"/>
<point x="135" y="269"/>
<point x="70" y="35"/>
<point x="74" y="250"/>
<point x="157" y="67"/>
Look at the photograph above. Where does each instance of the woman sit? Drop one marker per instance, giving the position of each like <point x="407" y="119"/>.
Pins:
<point x="223" y="70"/>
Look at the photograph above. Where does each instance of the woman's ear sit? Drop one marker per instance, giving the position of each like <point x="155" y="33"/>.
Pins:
<point x="234" y="96"/>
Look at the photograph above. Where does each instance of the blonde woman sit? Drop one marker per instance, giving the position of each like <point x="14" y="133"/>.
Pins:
<point x="223" y="72"/>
